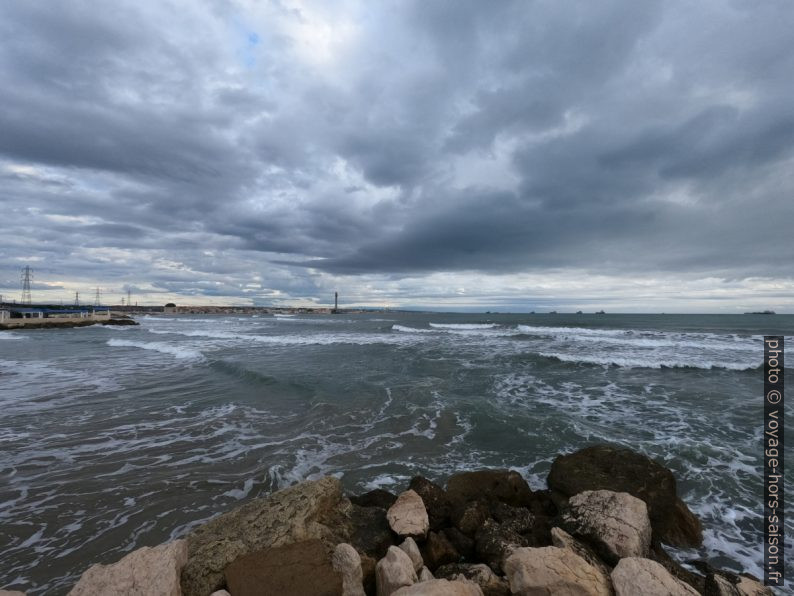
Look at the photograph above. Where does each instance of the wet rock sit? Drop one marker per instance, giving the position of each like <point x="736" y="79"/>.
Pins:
<point x="410" y="549"/>
<point x="394" y="571"/>
<point x="368" y="571"/>
<point x="616" y="525"/>
<point x="375" y="498"/>
<point x="289" y="570"/>
<point x="408" y="516"/>
<point x="493" y="543"/>
<point x="440" y="587"/>
<point x="435" y="499"/>
<point x="309" y="510"/>
<point x="635" y="575"/>
<point x="552" y="570"/>
<point x="369" y="530"/>
<point x="562" y="539"/>
<point x="607" y="467"/>
<point x="462" y="543"/>
<point x="347" y="563"/>
<point x="506" y="486"/>
<point x="438" y="551"/>
<point x="482" y="575"/>
<point x="517" y="519"/>
<point x="471" y="516"/>
<point x="146" y="571"/>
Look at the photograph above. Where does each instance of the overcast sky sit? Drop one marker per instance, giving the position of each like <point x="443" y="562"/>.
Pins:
<point x="632" y="156"/>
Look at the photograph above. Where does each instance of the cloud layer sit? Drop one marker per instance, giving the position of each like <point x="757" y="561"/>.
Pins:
<point x="451" y="153"/>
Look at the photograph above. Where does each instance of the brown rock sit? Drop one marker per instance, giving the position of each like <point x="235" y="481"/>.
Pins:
<point x="635" y="575"/>
<point x="375" y="498"/>
<point x="369" y="530"/>
<point x="435" y="499"/>
<point x="290" y="570"/>
<point x="393" y="572"/>
<point x="471" y="516"/>
<point x="408" y="516"/>
<point x="615" y="524"/>
<point x="552" y="570"/>
<point x="368" y="571"/>
<point x="11" y="593"/>
<point x="462" y="543"/>
<point x="309" y="510"/>
<point x="438" y="551"/>
<point x="143" y="572"/>
<point x="493" y="543"/>
<point x="607" y="467"/>
<point x="489" y="485"/>
<point x="440" y="587"/>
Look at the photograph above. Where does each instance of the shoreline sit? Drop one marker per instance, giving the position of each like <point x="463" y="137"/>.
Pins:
<point x="600" y="527"/>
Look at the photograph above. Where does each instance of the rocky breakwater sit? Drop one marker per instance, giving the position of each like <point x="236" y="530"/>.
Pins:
<point x="599" y="529"/>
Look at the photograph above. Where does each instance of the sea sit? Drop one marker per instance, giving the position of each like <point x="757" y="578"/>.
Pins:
<point x="113" y="438"/>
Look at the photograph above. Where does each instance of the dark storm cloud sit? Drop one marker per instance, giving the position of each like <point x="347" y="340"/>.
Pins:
<point x="401" y="139"/>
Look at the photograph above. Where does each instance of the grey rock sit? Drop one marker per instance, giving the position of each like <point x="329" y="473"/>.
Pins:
<point x="410" y="548"/>
<point x="425" y="575"/>
<point x="440" y="587"/>
<point x="347" y="562"/>
<point x="408" y="516"/>
<point x="615" y="524"/>
<point x="552" y="570"/>
<point x="635" y="575"/>
<point x="394" y="571"/>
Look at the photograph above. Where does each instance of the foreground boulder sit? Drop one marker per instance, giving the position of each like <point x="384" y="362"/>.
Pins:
<point x="143" y="572"/>
<point x="634" y="575"/>
<point x="482" y="575"/>
<point x="309" y="510"/>
<point x="623" y="470"/>
<point x="562" y="539"/>
<point x="394" y="571"/>
<point x="440" y="587"/>
<point x="347" y="563"/>
<point x="552" y="570"/>
<point x="615" y="524"/>
<point x="290" y="570"/>
<point x="435" y="499"/>
<point x="408" y="516"/>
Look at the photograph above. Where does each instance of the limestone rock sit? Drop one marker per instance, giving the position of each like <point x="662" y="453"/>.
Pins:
<point x="220" y="593"/>
<point x="438" y="551"/>
<point x="552" y="570"/>
<point x="482" y="575"/>
<point x="309" y="510"/>
<point x="408" y="516"/>
<point x="724" y="583"/>
<point x="506" y="486"/>
<point x="751" y="587"/>
<point x="607" y="467"/>
<point x="562" y="539"/>
<point x="375" y="498"/>
<point x="635" y="575"/>
<point x="615" y="524"/>
<point x="425" y="575"/>
<point x="410" y="548"/>
<point x="289" y="570"/>
<point x="143" y="572"/>
<point x="435" y="499"/>
<point x="11" y="593"/>
<point x="394" y="571"/>
<point x="440" y="587"/>
<point x="347" y="562"/>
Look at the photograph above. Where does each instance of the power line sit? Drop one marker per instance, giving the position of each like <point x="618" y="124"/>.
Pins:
<point x="96" y="298"/>
<point x="26" y="276"/>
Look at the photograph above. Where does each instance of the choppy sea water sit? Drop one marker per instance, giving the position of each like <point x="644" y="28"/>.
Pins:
<point x="112" y="438"/>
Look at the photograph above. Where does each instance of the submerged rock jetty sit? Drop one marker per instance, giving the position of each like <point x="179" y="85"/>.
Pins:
<point x="599" y="529"/>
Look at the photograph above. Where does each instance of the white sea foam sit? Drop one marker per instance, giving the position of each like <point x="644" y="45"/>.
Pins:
<point x="8" y="335"/>
<point x="650" y="361"/>
<point x="463" y="325"/>
<point x="162" y="347"/>
<point x="410" y="329"/>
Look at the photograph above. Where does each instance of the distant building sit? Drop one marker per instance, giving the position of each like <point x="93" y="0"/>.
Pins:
<point x="170" y="308"/>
